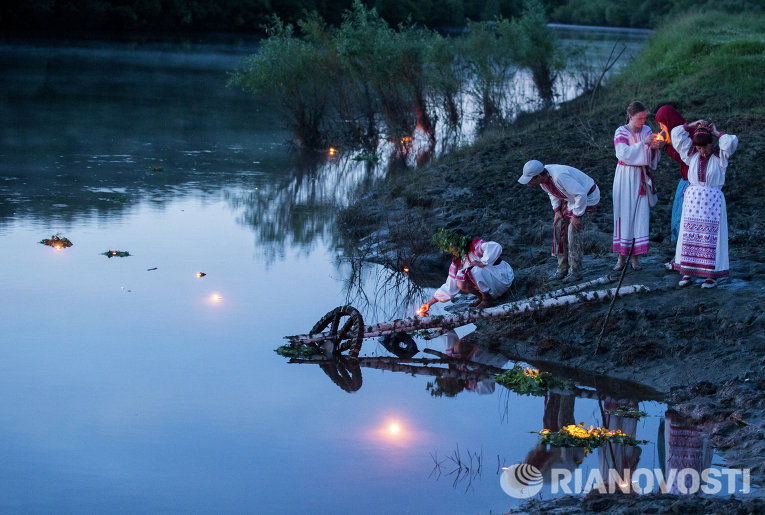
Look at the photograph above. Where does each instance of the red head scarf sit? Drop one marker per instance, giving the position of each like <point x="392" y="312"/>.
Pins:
<point x="670" y="118"/>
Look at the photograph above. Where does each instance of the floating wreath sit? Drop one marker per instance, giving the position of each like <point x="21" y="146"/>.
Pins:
<point x="627" y="412"/>
<point x="530" y="381"/>
<point x="451" y="241"/>
<point x="579" y="436"/>
<point x="115" y="253"/>
<point x="300" y="351"/>
<point x="57" y="242"/>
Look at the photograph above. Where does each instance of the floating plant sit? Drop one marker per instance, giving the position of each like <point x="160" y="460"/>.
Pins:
<point x="115" y="253"/>
<point x="579" y="436"/>
<point x="529" y="381"/>
<point x="627" y="412"/>
<point x="57" y="242"/>
<point x="299" y="351"/>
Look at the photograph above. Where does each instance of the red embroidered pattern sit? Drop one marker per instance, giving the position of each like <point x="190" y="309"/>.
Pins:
<point x="701" y="230"/>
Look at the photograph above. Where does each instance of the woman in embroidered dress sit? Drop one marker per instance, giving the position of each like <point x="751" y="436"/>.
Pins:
<point x="669" y="118"/>
<point x="636" y="150"/>
<point x="477" y="267"/>
<point x="702" y="242"/>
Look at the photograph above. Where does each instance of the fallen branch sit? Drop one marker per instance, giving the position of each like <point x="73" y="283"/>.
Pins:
<point x="473" y="315"/>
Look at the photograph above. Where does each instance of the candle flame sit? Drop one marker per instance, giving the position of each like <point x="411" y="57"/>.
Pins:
<point x="406" y="269"/>
<point x="332" y="151"/>
<point x="663" y="135"/>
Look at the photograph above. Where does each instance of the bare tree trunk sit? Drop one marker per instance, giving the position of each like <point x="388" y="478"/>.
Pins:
<point x="472" y="315"/>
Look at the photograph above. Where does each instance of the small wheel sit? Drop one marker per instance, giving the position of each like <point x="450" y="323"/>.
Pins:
<point x="346" y="329"/>
<point x="400" y="344"/>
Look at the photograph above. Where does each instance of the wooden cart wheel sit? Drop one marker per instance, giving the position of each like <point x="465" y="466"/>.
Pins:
<point x="344" y="372"/>
<point x="346" y="329"/>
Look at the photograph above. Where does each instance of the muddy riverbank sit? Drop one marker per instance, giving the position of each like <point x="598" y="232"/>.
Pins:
<point x="704" y="349"/>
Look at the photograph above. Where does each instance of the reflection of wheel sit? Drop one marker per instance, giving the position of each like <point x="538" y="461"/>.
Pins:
<point x="344" y="372"/>
<point x="401" y="344"/>
<point x="346" y="329"/>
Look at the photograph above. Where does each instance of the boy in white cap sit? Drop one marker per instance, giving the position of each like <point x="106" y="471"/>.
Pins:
<point x="574" y="197"/>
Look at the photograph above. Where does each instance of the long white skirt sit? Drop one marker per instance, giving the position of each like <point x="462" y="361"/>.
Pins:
<point x="629" y="221"/>
<point x="702" y="243"/>
<point x="491" y="279"/>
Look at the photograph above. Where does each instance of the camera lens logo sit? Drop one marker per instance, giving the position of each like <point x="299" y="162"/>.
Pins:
<point x="521" y="481"/>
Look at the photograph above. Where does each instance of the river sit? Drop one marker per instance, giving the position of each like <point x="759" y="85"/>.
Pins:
<point x="149" y="383"/>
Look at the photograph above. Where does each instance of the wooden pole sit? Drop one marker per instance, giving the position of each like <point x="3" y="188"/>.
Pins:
<point x="611" y="307"/>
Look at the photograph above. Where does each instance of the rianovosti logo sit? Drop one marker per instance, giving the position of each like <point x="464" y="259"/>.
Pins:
<point x="523" y="481"/>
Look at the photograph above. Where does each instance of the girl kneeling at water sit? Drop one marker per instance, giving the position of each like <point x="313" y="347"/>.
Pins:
<point x="477" y="268"/>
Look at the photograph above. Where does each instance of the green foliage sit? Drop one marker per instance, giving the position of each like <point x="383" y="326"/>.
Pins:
<point x="488" y="69"/>
<point x="711" y="55"/>
<point x="115" y="253"/>
<point x="451" y="241"/>
<point x="57" y="241"/>
<point x="534" y="47"/>
<point x="442" y="78"/>
<point x="300" y="351"/>
<point x="285" y="73"/>
<point x="627" y="412"/>
<point x="529" y="381"/>
<point x="577" y="436"/>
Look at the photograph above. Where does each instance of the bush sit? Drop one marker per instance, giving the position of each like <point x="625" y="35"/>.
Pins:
<point x="284" y="74"/>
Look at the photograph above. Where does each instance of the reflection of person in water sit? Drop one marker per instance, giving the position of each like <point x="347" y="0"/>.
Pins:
<point x="558" y="413"/>
<point x="452" y="384"/>
<point x="618" y="457"/>
<point x="685" y="447"/>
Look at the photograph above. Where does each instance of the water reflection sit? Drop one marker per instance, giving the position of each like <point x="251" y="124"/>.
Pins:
<point x="558" y="413"/>
<point x="684" y="447"/>
<point x="461" y="367"/>
<point x="622" y="459"/>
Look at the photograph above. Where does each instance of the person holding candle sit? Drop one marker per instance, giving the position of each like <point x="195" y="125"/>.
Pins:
<point x="477" y="267"/>
<point x="668" y="118"/>
<point x="574" y="197"/>
<point x="702" y="241"/>
<point x="637" y="151"/>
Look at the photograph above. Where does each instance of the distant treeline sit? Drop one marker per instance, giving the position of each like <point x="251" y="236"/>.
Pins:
<point x="76" y="18"/>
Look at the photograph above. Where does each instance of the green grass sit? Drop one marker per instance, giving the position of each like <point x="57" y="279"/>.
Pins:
<point x="715" y="56"/>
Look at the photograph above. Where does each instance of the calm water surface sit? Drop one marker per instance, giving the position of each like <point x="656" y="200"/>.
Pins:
<point x="131" y="385"/>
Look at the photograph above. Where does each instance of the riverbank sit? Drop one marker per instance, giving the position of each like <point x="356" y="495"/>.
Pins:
<point x="704" y="349"/>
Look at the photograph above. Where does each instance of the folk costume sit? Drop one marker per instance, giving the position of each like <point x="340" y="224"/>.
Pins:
<point x="669" y="118"/>
<point x="702" y="243"/>
<point x="572" y="194"/>
<point x="483" y="266"/>
<point x="632" y="184"/>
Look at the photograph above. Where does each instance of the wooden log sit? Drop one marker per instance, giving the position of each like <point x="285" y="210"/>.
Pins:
<point x="473" y="315"/>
